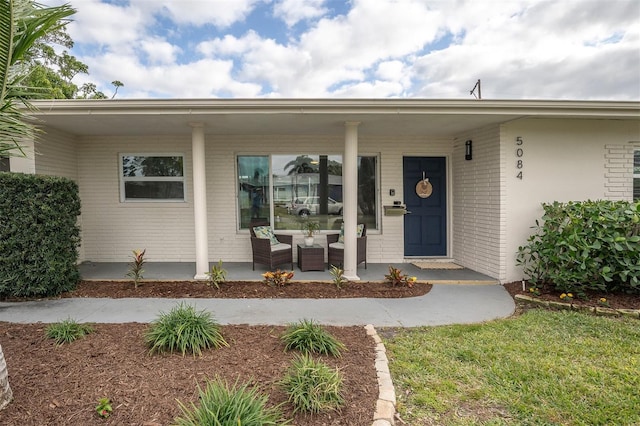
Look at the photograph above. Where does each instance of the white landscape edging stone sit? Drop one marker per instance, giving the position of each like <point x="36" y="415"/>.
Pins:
<point x="386" y="404"/>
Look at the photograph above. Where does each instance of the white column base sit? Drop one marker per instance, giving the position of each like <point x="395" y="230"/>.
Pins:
<point x="352" y="277"/>
<point x="201" y="277"/>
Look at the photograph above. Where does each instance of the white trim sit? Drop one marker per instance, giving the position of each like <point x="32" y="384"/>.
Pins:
<point x="122" y="179"/>
<point x="636" y="150"/>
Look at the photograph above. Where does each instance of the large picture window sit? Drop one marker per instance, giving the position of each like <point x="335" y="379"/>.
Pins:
<point x="636" y="175"/>
<point x="301" y="187"/>
<point x="153" y="177"/>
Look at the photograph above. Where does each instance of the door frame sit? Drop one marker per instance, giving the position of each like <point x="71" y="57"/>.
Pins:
<point x="449" y="189"/>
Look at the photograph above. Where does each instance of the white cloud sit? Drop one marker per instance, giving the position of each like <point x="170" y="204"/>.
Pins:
<point x="541" y="52"/>
<point x="294" y="11"/>
<point x="373" y="89"/>
<point x="159" y="51"/>
<point x="230" y="45"/>
<point x="105" y="24"/>
<point x="581" y="49"/>
<point x="201" y="79"/>
<point x="221" y="13"/>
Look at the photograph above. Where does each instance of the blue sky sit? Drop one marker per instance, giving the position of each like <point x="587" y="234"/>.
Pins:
<point x="520" y="49"/>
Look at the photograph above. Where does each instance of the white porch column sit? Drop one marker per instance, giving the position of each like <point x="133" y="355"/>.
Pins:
<point x="200" y="201"/>
<point x="350" y="199"/>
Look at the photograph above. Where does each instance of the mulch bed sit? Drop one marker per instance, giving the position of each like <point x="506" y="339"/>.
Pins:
<point x="245" y="289"/>
<point x="614" y="300"/>
<point x="61" y="385"/>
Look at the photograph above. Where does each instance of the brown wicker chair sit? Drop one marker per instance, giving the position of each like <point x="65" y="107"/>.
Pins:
<point x="266" y="254"/>
<point x="336" y="253"/>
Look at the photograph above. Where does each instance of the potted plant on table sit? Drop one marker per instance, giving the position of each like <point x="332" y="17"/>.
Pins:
<point x="310" y="228"/>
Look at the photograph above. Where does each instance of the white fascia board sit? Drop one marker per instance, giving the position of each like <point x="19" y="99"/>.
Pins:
<point x="516" y="108"/>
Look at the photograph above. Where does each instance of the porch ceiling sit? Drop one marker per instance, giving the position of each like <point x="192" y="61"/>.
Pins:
<point x="309" y="117"/>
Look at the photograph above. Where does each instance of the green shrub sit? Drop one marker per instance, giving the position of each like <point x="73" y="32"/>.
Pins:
<point x="217" y="275"/>
<point x="337" y="276"/>
<point x="585" y="246"/>
<point x="396" y="278"/>
<point x="309" y="337"/>
<point x="312" y="386"/>
<point x="222" y="405"/>
<point x="39" y="235"/>
<point x="184" y="330"/>
<point x="67" y="331"/>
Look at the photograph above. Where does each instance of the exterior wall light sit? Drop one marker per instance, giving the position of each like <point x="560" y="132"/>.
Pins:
<point x="468" y="150"/>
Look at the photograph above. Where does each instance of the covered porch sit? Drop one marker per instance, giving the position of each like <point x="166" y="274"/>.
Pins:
<point x="241" y="271"/>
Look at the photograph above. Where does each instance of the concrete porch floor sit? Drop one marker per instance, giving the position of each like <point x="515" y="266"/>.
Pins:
<point x="241" y="271"/>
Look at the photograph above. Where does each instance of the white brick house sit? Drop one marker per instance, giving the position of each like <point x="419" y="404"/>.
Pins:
<point x="522" y="153"/>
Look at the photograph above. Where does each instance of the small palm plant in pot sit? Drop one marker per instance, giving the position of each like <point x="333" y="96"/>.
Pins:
<point x="310" y="228"/>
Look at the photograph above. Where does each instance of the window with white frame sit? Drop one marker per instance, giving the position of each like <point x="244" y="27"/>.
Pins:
<point x="636" y="175"/>
<point x="152" y="177"/>
<point x="297" y="187"/>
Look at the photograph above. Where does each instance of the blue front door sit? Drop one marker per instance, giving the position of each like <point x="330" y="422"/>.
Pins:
<point x="425" y="194"/>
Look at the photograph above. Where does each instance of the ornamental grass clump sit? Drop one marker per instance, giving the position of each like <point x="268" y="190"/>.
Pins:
<point x="184" y="330"/>
<point x="312" y="386"/>
<point x="309" y="337"/>
<point x="224" y="405"/>
<point x="67" y="331"/>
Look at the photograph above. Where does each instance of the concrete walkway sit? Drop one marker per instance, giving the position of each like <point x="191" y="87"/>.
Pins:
<point x="482" y="299"/>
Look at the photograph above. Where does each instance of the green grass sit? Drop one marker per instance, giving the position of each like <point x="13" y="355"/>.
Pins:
<point x="67" y="331"/>
<point x="309" y="337"/>
<point x="541" y="368"/>
<point x="184" y="330"/>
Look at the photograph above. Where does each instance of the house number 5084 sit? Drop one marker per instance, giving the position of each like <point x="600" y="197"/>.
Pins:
<point x="519" y="154"/>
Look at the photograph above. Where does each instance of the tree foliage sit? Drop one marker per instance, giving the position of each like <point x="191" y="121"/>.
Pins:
<point x="52" y="72"/>
<point x="22" y="24"/>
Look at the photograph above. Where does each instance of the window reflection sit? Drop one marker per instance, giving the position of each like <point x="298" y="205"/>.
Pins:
<point x="303" y="187"/>
<point x="253" y="189"/>
<point x="152" y="178"/>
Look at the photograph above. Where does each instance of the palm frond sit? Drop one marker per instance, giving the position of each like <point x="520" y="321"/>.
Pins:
<point x="33" y="22"/>
<point x="6" y="43"/>
<point x="22" y="23"/>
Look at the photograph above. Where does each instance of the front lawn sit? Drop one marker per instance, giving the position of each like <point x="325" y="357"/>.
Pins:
<point x="543" y="367"/>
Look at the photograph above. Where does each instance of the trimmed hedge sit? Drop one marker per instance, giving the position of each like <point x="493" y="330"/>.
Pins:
<point x="39" y="235"/>
<point x="585" y="246"/>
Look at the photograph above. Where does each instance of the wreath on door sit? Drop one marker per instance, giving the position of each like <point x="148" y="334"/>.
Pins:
<point x="424" y="189"/>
